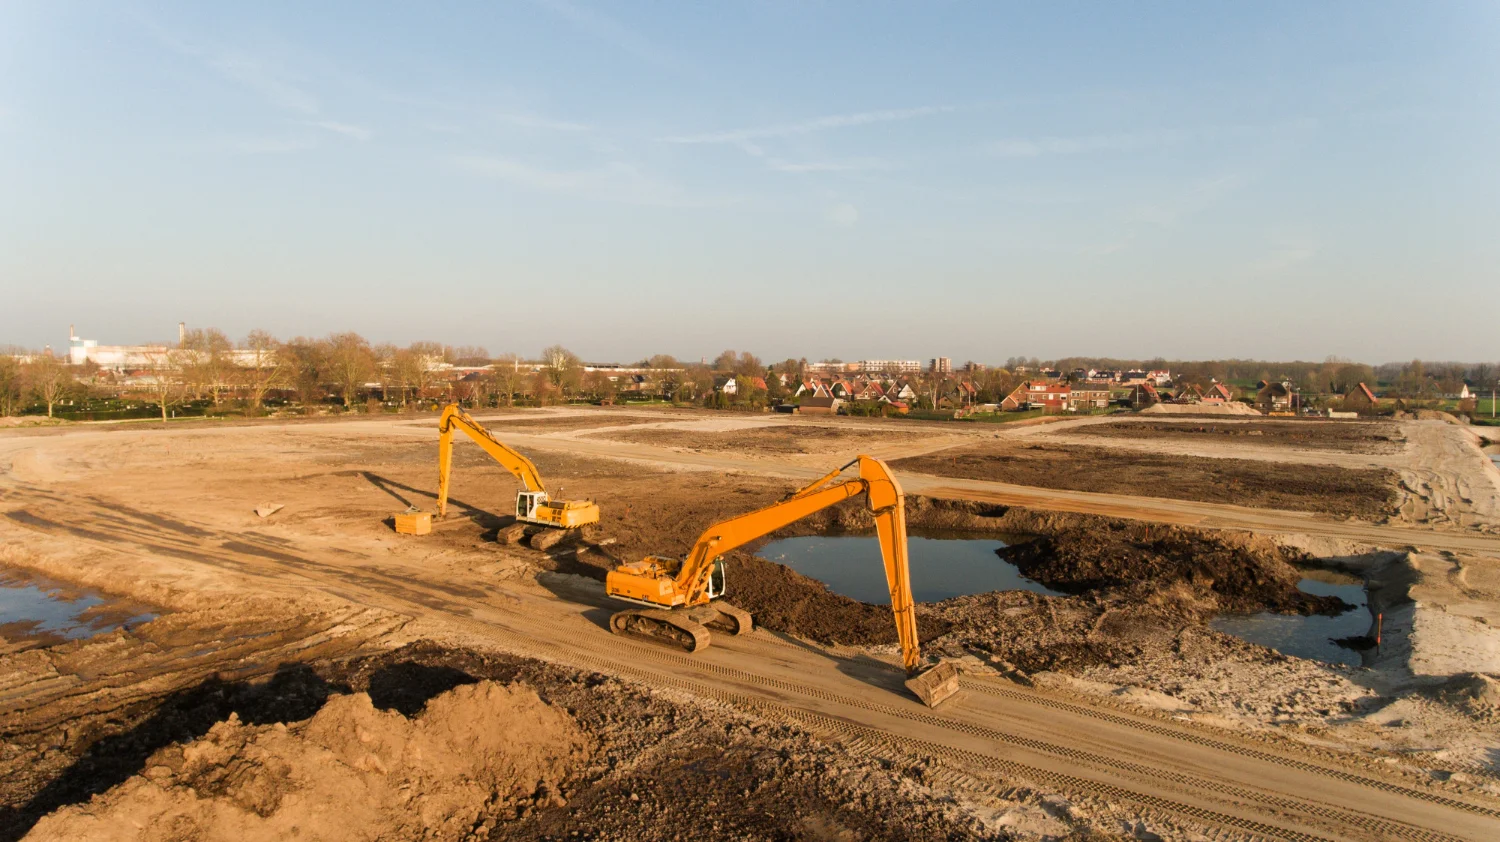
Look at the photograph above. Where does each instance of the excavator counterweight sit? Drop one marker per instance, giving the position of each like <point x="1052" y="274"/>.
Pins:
<point x="679" y="601"/>
<point x="533" y="505"/>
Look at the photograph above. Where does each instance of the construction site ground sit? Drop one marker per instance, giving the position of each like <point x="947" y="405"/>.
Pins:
<point x="1113" y="711"/>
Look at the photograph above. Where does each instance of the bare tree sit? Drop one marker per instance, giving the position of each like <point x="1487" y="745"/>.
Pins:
<point x="507" y="376"/>
<point x="350" y="364"/>
<point x="208" y="361"/>
<point x="470" y="355"/>
<point x="562" y="368"/>
<point x="48" y="379"/>
<point x="385" y="369"/>
<point x="168" y="376"/>
<point x="306" y="364"/>
<point x="12" y="384"/>
<point x="264" y="368"/>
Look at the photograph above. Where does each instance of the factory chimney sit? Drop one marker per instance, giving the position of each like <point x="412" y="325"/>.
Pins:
<point x="181" y="333"/>
<point x="72" y="334"/>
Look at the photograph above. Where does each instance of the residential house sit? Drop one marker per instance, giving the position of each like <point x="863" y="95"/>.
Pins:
<point x="900" y="392"/>
<point x="1188" y="394"/>
<point x="1361" y="399"/>
<point x="727" y="385"/>
<point x="841" y="389"/>
<point x="1277" y="397"/>
<point x="822" y="405"/>
<point x="1160" y="377"/>
<point x="1218" y="393"/>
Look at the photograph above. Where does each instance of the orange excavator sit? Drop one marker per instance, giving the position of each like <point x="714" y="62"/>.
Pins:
<point x="680" y="601"/>
<point x="532" y="503"/>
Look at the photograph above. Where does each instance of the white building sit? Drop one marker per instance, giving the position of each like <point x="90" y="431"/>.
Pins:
<point x="901" y="366"/>
<point x="942" y="365"/>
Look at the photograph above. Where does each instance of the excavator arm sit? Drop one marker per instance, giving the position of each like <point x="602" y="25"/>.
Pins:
<point x="455" y="418"/>
<point x="690" y="586"/>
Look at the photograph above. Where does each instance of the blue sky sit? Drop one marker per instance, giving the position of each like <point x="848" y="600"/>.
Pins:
<point x="974" y="180"/>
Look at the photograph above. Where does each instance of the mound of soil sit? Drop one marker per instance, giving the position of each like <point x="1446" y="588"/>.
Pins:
<point x="438" y="743"/>
<point x="351" y="771"/>
<point x="784" y="600"/>
<point x="1243" y="572"/>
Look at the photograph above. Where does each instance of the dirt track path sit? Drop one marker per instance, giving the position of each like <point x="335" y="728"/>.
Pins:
<point x="994" y="736"/>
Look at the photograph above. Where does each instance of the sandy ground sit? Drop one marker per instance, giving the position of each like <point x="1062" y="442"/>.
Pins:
<point x="1238" y="744"/>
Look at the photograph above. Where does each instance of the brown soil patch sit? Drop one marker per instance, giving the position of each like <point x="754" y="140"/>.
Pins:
<point x="444" y="744"/>
<point x="1343" y="436"/>
<point x="778" y="439"/>
<point x="1368" y="493"/>
<point x="532" y="424"/>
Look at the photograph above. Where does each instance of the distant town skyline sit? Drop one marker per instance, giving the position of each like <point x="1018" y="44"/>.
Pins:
<point x="976" y="180"/>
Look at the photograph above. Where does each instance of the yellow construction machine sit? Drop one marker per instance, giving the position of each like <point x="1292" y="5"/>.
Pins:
<point x="679" y="598"/>
<point x="532" y="504"/>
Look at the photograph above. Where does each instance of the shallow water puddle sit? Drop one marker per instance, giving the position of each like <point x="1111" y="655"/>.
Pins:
<point x="942" y="566"/>
<point x="1309" y="637"/>
<point x="29" y="609"/>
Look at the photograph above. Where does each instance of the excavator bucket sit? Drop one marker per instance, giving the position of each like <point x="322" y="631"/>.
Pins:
<point x="934" y="685"/>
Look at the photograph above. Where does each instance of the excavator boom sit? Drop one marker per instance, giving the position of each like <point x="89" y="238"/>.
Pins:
<point x="533" y="505"/>
<point x="679" y="594"/>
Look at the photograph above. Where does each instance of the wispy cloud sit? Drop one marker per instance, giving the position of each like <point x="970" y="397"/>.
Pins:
<point x="776" y="164"/>
<point x="1034" y="147"/>
<point x="605" y="28"/>
<point x="524" y="120"/>
<point x="817" y="124"/>
<point x="616" y="181"/>
<point x="272" y="83"/>
<point x="1283" y="257"/>
<point x="844" y="215"/>
<point x="359" y="133"/>
<point x="272" y="145"/>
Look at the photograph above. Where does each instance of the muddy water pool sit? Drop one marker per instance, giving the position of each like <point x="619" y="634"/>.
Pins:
<point x="33" y="609"/>
<point x="1309" y="637"/>
<point x="943" y="565"/>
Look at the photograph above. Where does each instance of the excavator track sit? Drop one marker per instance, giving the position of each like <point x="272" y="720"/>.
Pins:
<point x="722" y="616"/>
<point x="662" y="625"/>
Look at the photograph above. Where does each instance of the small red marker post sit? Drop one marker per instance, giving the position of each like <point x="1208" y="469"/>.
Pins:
<point x="1379" y="625"/>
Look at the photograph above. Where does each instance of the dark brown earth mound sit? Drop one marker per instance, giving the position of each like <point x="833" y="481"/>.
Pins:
<point x="784" y="600"/>
<point x="1244" y="572"/>
<point x="1367" y="493"/>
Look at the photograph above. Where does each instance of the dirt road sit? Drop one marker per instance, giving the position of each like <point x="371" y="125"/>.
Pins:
<point x="179" y="533"/>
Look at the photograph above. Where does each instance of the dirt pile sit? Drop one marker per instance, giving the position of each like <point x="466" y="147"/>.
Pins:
<point x="784" y="600"/>
<point x="1232" y="408"/>
<point x="431" y="742"/>
<point x="349" y="772"/>
<point x="1079" y="553"/>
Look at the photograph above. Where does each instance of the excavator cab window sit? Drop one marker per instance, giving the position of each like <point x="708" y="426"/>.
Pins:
<point x="716" y="579"/>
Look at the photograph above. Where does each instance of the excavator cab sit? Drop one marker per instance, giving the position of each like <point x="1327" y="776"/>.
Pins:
<point x="527" y="503"/>
<point x="716" y="577"/>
